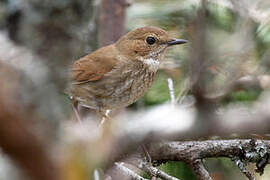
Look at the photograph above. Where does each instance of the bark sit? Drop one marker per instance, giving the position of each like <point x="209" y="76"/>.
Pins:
<point x="111" y="21"/>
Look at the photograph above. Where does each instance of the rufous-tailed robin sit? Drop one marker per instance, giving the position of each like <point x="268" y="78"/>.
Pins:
<point x="117" y="75"/>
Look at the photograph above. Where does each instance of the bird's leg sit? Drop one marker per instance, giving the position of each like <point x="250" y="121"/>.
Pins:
<point x="148" y="160"/>
<point x="147" y="155"/>
<point x="104" y="115"/>
<point x="75" y="106"/>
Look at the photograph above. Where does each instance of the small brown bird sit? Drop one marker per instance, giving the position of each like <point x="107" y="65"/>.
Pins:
<point x="117" y="75"/>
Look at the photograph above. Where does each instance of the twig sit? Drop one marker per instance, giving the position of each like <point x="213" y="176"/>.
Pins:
<point x="242" y="167"/>
<point x="171" y="90"/>
<point x="154" y="171"/>
<point x="96" y="175"/>
<point x="199" y="170"/>
<point x="128" y="172"/>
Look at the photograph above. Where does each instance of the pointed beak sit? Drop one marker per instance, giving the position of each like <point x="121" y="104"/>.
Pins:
<point x="176" y="41"/>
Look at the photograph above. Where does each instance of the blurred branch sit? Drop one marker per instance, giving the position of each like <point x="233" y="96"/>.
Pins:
<point x="253" y="82"/>
<point x="181" y="122"/>
<point x="164" y="122"/>
<point x="240" y="7"/>
<point x="246" y="8"/>
<point x="200" y="75"/>
<point x="18" y="140"/>
<point x="34" y="89"/>
<point x="61" y="29"/>
<point x="198" y="52"/>
<point x="111" y="21"/>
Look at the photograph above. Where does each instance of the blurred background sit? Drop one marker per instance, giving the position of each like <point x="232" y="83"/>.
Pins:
<point x="224" y="67"/>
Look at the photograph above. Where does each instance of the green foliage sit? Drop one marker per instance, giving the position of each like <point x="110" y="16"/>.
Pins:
<point x="262" y="39"/>
<point x="159" y="92"/>
<point x="225" y="168"/>
<point x="263" y="33"/>
<point x="243" y="96"/>
<point x="178" y="169"/>
<point x="220" y="17"/>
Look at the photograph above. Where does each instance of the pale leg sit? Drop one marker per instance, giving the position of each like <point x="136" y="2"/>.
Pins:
<point x="76" y="111"/>
<point x="105" y="115"/>
<point x="146" y="153"/>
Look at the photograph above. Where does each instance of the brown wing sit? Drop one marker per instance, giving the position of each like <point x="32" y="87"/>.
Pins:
<point x="92" y="67"/>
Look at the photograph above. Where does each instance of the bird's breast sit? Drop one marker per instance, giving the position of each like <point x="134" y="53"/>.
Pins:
<point x="132" y="82"/>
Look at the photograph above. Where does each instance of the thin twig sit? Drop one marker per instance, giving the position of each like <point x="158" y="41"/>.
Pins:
<point x="154" y="171"/>
<point x="96" y="175"/>
<point x="171" y="90"/>
<point x="128" y="172"/>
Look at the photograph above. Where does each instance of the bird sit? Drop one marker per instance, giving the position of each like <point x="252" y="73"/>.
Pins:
<point x="117" y="75"/>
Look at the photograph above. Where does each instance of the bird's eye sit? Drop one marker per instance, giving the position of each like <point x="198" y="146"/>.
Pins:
<point x="150" y="40"/>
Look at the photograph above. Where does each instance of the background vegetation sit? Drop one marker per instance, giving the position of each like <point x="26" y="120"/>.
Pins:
<point x="226" y="62"/>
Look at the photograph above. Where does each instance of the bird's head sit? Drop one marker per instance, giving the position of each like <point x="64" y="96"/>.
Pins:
<point x="146" y="42"/>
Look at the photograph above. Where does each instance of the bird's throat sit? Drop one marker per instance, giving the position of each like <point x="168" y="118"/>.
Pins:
<point x="151" y="64"/>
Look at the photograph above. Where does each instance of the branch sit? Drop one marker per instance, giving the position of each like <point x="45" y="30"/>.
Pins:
<point x="199" y="170"/>
<point x="242" y="167"/>
<point x="128" y="172"/>
<point x="112" y="16"/>
<point x="154" y="171"/>
<point x="192" y="152"/>
<point x="178" y="123"/>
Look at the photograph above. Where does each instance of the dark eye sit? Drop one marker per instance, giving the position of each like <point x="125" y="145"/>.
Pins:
<point x="150" y="40"/>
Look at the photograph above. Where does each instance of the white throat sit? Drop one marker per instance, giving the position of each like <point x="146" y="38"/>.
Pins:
<point x="152" y="64"/>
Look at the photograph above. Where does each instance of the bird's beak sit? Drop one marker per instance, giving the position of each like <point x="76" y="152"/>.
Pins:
<point x="176" y="41"/>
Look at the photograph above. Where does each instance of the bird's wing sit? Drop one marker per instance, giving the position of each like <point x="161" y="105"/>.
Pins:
<point x="94" y="66"/>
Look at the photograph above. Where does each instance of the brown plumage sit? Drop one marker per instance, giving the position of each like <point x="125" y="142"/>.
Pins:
<point x="117" y="75"/>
